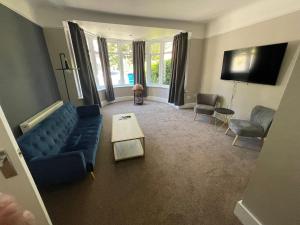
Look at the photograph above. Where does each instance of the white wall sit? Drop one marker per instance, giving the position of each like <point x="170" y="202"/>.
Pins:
<point x="273" y="191"/>
<point x="282" y="29"/>
<point x="193" y="70"/>
<point x="56" y="43"/>
<point x="251" y="14"/>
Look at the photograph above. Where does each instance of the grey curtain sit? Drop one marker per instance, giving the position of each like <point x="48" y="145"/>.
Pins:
<point x="109" y="90"/>
<point x="86" y="76"/>
<point x="138" y="48"/>
<point x="179" y="55"/>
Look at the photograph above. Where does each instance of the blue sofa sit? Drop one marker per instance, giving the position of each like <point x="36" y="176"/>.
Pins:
<point x="62" y="148"/>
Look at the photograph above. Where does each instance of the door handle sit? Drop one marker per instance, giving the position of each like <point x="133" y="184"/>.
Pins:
<point x="6" y="166"/>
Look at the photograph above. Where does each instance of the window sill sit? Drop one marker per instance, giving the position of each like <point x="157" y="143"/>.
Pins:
<point x="130" y="86"/>
<point x="122" y="86"/>
<point x="158" y="86"/>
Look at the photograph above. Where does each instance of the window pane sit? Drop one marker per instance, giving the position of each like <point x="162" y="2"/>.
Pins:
<point x="98" y="74"/>
<point x="155" y="47"/>
<point x="95" y="61"/>
<point x="126" y="47"/>
<point x="114" y="60"/>
<point x="128" y="69"/>
<point x="95" y="45"/>
<point x="167" y="68"/>
<point x="154" y="76"/>
<point x="112" y="47"/>
<point x="168" y="46"/>
<point x="98" y="59"/>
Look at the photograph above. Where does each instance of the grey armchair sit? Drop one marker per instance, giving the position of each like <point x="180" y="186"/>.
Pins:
<point x="205" y="104"/>
<point x="258" y="125"/>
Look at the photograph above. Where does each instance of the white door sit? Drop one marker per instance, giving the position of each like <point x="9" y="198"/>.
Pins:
<point x="15" y="178"/>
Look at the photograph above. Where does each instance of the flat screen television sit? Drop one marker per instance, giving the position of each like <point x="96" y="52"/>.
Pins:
<point x="260" y="64"/>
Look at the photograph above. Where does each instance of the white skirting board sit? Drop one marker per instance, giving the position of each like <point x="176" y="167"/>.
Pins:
<point x="185" y="106"/>
<point x="156" y="99"/>
<point x="118" y="99"/>
<point x="244" y="215"/>
<point x="149" y="98"/>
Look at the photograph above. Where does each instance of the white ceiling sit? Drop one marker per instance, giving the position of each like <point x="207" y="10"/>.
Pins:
<point x="127" y="32"/>
<point x="202" y="18"/>
<point x="187" y="10"/>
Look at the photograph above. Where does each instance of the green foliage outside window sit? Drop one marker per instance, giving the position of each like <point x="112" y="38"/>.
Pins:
<point x="155" y="72"/>
<point x="168" y="72"/>
<point x="114" y="61"/>
<point x="155" y="69"/>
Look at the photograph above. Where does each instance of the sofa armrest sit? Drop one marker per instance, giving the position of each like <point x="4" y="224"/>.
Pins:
<point x="88" y="111"/>
<point x="56" y="169"/>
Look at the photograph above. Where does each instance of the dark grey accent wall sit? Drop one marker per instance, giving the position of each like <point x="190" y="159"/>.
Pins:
<point x="27" y="82"/>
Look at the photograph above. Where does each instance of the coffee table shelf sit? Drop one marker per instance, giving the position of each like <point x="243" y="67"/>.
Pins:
<point x="128" y="149"/>
<point x="128" y="140"/>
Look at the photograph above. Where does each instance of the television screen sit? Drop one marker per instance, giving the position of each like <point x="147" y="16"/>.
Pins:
<point x="259" y="64"/>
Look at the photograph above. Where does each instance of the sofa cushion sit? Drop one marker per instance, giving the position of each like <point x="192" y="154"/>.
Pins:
<point x="73" y="141"/>
<point x="246" y="128"/>
<point x="49" y="136"/>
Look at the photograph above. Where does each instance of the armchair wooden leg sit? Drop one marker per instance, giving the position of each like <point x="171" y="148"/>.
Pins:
<point x="93" y="175"/>
<point x="235" y="139"/>
<point x="195" y="116"/>
<point x="226" y="132"/>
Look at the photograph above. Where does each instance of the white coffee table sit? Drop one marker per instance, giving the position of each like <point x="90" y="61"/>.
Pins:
<point x="128" y="139"/>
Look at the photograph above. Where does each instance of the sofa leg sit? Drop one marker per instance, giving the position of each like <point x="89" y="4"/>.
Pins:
<point x="235" y="139"/>
<point x="226" y="132"/>
<point x="195" y="116"/>
<point x="93" y="175"/>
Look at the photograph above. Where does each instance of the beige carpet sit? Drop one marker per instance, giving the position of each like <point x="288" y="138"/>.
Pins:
<point x="191" y="175"/>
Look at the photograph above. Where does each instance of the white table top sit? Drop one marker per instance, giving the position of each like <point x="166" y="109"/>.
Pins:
<point x="125" y="129"/>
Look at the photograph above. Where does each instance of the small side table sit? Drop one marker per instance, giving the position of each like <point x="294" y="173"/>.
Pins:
<point x="226" y="113"/>
<point x="138" y="97"/>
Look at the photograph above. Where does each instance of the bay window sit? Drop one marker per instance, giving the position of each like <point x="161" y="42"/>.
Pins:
<point x="157" y="62"/>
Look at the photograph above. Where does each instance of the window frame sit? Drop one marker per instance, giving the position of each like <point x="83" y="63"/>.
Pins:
<point x="121" y="55"/>
<point x="162" y="71"/>
<point x="92" y="53"/>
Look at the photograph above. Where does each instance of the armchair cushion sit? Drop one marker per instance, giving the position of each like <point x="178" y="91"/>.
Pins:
<point x="204" y="109"/>
<point x="246" y="128"/>
<point x="262" y="116"/>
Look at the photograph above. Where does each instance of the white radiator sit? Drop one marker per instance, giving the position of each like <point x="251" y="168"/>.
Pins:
<point x="33" y="121"/>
